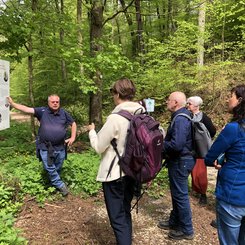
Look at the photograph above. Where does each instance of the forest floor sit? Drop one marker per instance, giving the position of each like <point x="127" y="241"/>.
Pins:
<point x="83" y="221"/>
<point x="77" y="221"/>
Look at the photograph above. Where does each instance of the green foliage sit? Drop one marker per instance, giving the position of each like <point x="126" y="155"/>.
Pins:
<point x="7" y="199"/>
<point x="165" y="65"/>
<point x="79" y="112"/>
<point x="80" y="171"/>
<point x="16" y="139"/>
<point x="9" y="205"/>
<point x="226" y="27"/>
<point x="28" y="171"/>
<point x="21" y="174"/>
<point x="8" y="234"/>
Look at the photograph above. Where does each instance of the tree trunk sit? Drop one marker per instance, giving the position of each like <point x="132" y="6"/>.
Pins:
<point x="139" y="37"/>
<point x="223" y="35"/>
<point x="201" y="26"/>
<point x="79" y="34"/>
<point x="130" y="24"/>
<point x="60" y="11"/>
<point x="161" y="26"/>
<point x="30" y="73"/>
<point x="170" y="25"/>
<point x="96" y="24"/>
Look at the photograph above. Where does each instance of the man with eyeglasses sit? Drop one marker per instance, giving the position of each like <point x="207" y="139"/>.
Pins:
<point x="51" y="140"/>
<point x="177" y="151"/>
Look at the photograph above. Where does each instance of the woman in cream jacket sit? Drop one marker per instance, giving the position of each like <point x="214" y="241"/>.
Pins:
<point x="118" y="189"/>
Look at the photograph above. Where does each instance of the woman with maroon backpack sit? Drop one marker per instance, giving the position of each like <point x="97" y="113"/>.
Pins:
<point x="118" y="188"/>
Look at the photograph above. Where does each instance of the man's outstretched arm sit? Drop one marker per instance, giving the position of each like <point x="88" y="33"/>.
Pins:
<point x="20" y="107"/>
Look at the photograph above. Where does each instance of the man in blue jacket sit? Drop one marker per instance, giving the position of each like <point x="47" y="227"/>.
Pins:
<point x="180" y="161"/>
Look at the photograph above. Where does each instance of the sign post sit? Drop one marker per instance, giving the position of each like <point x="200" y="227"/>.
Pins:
<point x="4" y="92"/>
<point x="150" y="104"/>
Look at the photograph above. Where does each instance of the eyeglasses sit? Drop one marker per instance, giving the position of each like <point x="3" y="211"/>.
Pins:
<point x="188" y="103"/>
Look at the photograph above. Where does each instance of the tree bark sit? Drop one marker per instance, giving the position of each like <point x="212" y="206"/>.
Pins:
<point x="130" y="24"/>
<point x="96" y="25"/>
<point x="79" y="34"/>
<point x="201" y="27"/>
<point x="30" y="72"/>
<point x="60" y="11"/>
<point x="139" y="37"/>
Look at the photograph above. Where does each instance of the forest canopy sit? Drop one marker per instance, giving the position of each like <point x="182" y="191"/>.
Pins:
<point x="78" y="48"/>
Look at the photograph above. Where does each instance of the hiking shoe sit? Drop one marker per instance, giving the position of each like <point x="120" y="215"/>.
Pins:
<point x="214" y="223"/>
<point x="179" y="235"/>
<point x="203" y="199"/>
<point x="64" y="190"/>
<point x="164" y="224"/>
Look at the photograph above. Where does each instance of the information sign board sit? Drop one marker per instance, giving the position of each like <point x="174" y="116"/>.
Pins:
<point x="4" y="92"/>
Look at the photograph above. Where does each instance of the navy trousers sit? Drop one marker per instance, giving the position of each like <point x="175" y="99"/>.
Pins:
<point x="178" y="172"/>
<point x="118" y="195"/>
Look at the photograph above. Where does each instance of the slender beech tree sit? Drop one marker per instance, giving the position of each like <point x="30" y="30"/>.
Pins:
<point x="201" y="27"/>
<point x="79" y="34"/>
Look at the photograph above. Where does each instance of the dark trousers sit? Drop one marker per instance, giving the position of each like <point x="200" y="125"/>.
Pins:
<point x="118" y="195"/>
<point x="178" y="172"/>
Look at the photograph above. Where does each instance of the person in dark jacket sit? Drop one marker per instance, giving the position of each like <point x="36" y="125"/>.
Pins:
<point x="199" y="172"/>
<point x="52" y="137"/>
<point x="230" y="186"/>
<point x="177" y="150"/>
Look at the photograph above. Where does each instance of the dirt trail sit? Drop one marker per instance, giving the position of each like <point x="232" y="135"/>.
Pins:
<point x="18" y="116"/>
<point x="77" y="221"/>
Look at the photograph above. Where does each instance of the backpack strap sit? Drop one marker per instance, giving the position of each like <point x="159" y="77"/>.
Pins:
<point x="192" y="130"/>
<point x="125" y="114"/>
<point x="114" y="145"/>
<point x="128" y="116"/>
<point x="180" y="114"/>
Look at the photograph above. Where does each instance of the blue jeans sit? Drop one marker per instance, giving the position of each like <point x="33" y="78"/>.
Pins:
<point x="178" y="172"/>
<point x="118" y="195"/>
<point x="54" y="169"/>
<point x="231" y="223"/>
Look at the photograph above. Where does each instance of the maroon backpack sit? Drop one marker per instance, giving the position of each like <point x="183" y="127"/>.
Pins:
<point x="144" y="141"/>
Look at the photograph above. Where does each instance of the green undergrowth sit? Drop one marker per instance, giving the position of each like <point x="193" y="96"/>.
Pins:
<point x="22" y="175"/>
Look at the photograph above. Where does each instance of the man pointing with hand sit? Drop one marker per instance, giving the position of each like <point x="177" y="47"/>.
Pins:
<point x="51" y="140"/>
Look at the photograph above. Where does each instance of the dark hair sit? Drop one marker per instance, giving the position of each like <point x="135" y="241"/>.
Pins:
<point x="125" y="88"/>
<point x="239" y="110"/>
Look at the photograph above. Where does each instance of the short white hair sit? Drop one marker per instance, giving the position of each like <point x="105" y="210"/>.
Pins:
<point x="195" y="100"/>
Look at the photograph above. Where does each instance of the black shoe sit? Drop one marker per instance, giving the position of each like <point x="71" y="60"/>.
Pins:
<point x="203" y="199"/>
<point x="214" y="223"/>
<point x="179" y="235"/>
<point x="164" y="224"/>
<point x="64" y="190"/>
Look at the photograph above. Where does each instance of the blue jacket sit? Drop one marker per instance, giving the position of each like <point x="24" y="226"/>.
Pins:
<point x="178" y="140"/>
<point x="230" y="185"/>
